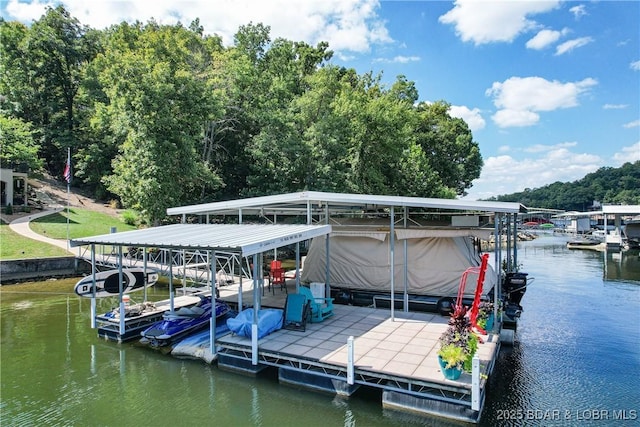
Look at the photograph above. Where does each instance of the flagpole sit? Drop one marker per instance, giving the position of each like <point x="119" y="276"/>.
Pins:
<point x="68" y="179"/>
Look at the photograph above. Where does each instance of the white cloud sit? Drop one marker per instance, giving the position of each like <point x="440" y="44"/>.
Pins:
<point x="347" y="25"/>
<point x="515" y="118"/>
<point x="506" y="174"/>
<point x="545" y="38"/>
<point x="633" y="124"/>
<point x="27" y="12"/>
<point x="520" y="98"/>
<point x="627" y="154"/>
<point x="491" y="21"/>
<point x="614" y="106"/>
<point x="472" y="117"/>
<point x="635" y="66"/>
<point x="398" y="59"/>
<point x="579" y="11"/>
<point x="540" y="148"/>
<point x="569" y="45"/>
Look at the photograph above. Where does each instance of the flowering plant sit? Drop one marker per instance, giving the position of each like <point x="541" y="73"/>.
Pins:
<point x="458" y="334"/>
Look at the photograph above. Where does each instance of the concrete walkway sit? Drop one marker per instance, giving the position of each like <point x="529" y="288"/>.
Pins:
<point x="21" y="226"/>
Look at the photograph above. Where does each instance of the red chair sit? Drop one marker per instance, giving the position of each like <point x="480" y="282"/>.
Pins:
<point x="276" y="263"/>
<point x="276" y="276"/>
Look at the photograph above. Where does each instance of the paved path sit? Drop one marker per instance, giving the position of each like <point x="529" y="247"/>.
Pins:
<point x="21" y="226"/>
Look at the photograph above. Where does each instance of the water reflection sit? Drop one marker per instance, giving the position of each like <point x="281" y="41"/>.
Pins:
<point x="622" y="266"/>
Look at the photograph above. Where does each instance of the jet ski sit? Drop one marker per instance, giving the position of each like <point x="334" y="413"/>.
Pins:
<point x="182" y="322"/>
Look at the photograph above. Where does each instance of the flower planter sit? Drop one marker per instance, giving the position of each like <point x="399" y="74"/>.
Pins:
<point x="449" y="373"/>
<point x="489" y="325"/>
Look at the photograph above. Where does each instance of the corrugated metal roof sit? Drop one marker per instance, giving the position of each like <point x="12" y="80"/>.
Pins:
<point x="248" y="239"/>
<point x="621" y="209"/>
<point x="299" y="202"/>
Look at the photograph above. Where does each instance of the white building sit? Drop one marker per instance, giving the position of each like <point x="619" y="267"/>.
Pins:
<point x="14" y="186"/>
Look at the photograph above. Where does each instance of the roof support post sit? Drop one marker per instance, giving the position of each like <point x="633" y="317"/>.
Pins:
<point x="297" y="266"/>
<point x="93" y="286"/>
<point x="256" y="310"/>
<point x="212" y="321"/>
<point x="327" y="279"/>
<point x="497" y="290"/>
<point x="120" y="291"/>
<point x="327" y="266"/>
<point x="392" y="250"/>
<point x="405" y="249"/>
<point x="170" y="263"/>
<point x="515" y="240"/>
<point x="144" y="266"/>
<point x="507" y="234"/>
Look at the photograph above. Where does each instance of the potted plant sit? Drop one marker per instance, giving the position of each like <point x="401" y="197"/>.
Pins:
<point x="485" y="317"/>
<point x="458" y="344"/>
<point x="451" y="358"/>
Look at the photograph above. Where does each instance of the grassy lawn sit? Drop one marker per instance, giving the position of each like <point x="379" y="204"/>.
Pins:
<point x="15" y="246"/>
<point x="82" y="223"/>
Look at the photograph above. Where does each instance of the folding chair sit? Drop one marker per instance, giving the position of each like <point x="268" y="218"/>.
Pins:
<point x="296" y="312"/>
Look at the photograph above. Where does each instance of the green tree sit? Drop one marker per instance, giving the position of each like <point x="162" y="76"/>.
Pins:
<point x="42" y="70"/>
<point x="449" y="145"/>
<point x="157" y="105"/>
<point x="18" y="146"/>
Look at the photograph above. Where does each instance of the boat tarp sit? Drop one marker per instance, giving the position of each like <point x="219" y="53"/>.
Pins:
<point x="435" y="264"/>
<point x="269" y="320"/>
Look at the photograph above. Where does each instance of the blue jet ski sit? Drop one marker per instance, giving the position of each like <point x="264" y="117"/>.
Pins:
<point x="183" y="321"/>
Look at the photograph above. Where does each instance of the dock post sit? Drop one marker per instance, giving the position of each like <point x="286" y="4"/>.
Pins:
<point x="475" y="383"/>
<point x="350" y="367"/>
<point x="212" y="330"/>
<point x="254" y="344"/>
<point x="93" y="286"/>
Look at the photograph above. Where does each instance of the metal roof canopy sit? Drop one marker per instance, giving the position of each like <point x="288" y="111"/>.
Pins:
<point x="248" y="239"/>
<point x="296" y="203"/>
<point x="606" y="210"/>
<point x="621" y="209"/>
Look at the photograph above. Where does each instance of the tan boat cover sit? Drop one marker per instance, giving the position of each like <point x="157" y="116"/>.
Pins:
<point x="361" y="261"/>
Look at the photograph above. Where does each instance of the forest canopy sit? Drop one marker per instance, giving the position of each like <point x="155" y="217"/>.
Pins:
<point x="158" y="116"/>
<point x="615" y="186"/>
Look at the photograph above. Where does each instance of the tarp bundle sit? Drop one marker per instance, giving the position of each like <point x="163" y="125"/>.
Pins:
<point x="360" y="260"/>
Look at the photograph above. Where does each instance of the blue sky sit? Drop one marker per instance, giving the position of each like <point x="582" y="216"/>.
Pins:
<point x="550" y="89"/>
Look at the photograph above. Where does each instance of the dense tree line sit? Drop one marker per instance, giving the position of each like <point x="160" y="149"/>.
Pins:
<point x="615" y="186"/>
<point x="159" y="116"/>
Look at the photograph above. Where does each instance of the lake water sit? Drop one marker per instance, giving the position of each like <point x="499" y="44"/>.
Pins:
<point x="576" y="361"/>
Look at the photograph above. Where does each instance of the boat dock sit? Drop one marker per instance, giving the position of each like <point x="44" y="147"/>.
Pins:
<point x="390" y="349"/>
<point x="398" y="356"/>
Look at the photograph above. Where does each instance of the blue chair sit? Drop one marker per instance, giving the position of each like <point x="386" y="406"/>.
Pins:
<point x="297" y="311"/>
<point x="321" y="308"/>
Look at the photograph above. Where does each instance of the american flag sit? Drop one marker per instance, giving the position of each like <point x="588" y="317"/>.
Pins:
<point x="67" y="171"/>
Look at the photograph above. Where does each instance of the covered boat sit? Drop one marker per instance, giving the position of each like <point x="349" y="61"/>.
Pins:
<point x="182" y="322"/>
<point x="632" y="232"/>
<point x="359" y="264"/>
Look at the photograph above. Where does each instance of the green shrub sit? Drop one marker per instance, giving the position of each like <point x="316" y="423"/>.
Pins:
<point x="8" y="209"/>
<point x="130" y="217"/>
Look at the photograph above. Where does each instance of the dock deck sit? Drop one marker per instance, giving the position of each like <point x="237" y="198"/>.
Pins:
<point x="396" y="355"/>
